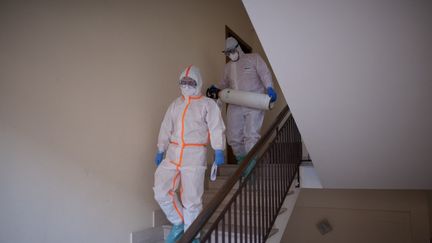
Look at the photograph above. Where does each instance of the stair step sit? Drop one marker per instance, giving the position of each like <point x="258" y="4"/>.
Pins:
<point x="237" y="214"/>
<point x="219" y="183"/>
<point x="221" y="180"/>
<point x="227" y="169"/>
<point x="209" y="196"/>
<point x="244" y="210"/>
<point x="235" y="232"/>
<point x="230" y="169"/>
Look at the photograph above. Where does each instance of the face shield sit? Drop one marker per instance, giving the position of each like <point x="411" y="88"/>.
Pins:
<point x="232" y="53"/>
<point x="188" y="86"/>
<point x="187" y="81"/>
<point x="231" y="50"/>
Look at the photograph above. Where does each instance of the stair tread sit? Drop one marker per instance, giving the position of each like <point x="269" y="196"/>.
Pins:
<point x="234" y="229"/>
<point x="228" y="165"/>
<point x="247" y="211"/>
<point x="214" y="189"/>
<point x="209" y="195"/>
<point x="226" y="177"/>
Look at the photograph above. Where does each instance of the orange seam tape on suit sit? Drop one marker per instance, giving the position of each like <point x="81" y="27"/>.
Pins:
<point x="172" y="195"/>
<point x="191" y="144"/>
<point x="179" y="164"/>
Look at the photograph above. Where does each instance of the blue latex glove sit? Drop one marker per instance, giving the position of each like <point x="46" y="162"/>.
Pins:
<point x="219" y="157"/>
<point x="159" y="158"/>
<point x="272" y="93"/>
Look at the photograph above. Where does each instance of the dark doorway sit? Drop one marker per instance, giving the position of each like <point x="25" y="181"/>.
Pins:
<point x="246" y="49"/>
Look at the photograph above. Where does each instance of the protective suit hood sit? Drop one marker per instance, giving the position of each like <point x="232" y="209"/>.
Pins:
<point x="231" y="43"/>
<point x="240" y="51"/>
<point x="194" y="73"/>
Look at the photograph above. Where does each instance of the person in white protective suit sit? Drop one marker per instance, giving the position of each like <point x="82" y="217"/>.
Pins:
<point x="246" y="72"/>
<point x="190" y="123"/>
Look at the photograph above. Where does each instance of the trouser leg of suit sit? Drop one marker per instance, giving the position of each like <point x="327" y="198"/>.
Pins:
<point x="252" y="126"/>
<point x="192" y="179"/>
<point x="167" y="178"/>
<point x="193" y="189"/>
<point x="235" y="129"/>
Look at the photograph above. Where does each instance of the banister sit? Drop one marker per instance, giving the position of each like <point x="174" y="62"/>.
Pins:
<point x="205" y="215"/>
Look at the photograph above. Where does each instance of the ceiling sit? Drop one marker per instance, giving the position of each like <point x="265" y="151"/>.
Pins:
<point x="357" y="76"/>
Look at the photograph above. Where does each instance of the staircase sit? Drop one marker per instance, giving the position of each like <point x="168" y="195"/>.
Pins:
<point x="243" y="205"/>
<point x="224" y="173"/>
<point x="244" y="202"/>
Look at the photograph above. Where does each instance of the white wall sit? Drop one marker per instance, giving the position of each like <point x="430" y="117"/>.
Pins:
<point x="83" y="88"/>
<point x="372" y="216"/>
<point x="357" y="76"/>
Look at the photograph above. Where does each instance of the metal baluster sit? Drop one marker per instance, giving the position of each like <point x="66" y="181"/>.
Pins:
<point x="245" y="214"/>
<point x="229" y="223"/>
<point x="235" y="219"/>
<point x="272" y="189"/>
<point x="287" y="158"/>
<point x="283" y="162"/>
<point x="254" y="209"/>
<point x="250" y="208"/>
<point x="223" y="229"/>
<point x="217" y="233"/>
<point x="260" y="213"/>
<point x="268" y="193"/>
<point x="241" y="214"/>
<point x="277" y="182"/>
<point x="264" y="197"/>
<point x="279" y="178"/>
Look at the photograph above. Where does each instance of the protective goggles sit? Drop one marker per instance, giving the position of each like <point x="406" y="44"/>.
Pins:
<point x="231" y="51"/>
<point x="188" y="81"/>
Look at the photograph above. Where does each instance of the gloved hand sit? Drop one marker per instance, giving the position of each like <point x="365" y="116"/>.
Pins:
<point x="219" y="157"/>
<point x="212" y="92"/>
<point x="272" y="93"/>
<point x="158" y="158"/>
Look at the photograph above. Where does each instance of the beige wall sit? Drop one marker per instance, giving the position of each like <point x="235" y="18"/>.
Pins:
<point x="360" y="216"/>
<point x="83" y="88"/>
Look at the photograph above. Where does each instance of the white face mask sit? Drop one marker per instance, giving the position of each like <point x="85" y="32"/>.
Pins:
<point x="234" y="56"/>
<point x="187" y="90"/>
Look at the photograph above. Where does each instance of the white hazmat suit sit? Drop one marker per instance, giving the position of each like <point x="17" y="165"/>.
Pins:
<point x="248" y="73"/>
<point x="190" y="123"/>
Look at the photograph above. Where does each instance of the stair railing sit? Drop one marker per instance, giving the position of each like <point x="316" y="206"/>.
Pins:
<point x="252" y="197"/>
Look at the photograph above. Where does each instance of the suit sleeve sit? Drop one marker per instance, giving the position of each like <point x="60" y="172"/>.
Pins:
<point x="166" y="129"/>
<point x="263" y="72"/>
